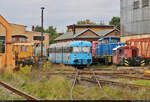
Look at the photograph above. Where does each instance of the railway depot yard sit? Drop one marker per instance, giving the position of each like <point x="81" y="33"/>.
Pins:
<point x="54" y="82"/>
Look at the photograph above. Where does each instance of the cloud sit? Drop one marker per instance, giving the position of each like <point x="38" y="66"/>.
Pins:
<point x="58" y="13"/>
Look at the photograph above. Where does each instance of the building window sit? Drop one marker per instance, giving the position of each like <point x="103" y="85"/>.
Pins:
<point x="19" y="38"/>
<point x="22" y="39"/>
<point x="136" y="4"/>
<point x="116" y="34"/>
<point x="14" y="39"/>
<point x="2" y="37"/>
<point x="145" y="3"/>
<point x="38" y="38"/>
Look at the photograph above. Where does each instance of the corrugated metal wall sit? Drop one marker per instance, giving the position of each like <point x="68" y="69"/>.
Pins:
<point x="134" y="21"/>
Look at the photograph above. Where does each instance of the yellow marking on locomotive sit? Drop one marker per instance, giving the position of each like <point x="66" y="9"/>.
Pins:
<point x="126" y="64"/>
<point x="143" y="61"/>
<point x="126" y="61"/>
<point x="109" y="58"/>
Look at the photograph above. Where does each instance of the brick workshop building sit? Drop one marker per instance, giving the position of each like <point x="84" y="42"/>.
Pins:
<point x="88" y="32"/>
<point x="20" y="34"/>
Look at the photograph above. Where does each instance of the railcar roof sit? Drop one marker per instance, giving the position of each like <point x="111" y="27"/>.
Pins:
<point x="80" y="43"/>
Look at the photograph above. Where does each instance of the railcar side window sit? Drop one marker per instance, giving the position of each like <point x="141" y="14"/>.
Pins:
<point x="76" y="49"/>
<point x="70" y="50"/>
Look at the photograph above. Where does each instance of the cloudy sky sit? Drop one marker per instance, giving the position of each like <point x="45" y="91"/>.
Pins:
<point x="58" y="13"/>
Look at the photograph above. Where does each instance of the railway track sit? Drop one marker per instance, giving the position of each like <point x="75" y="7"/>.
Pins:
<point x="18" y="92"/>
<point x="97" y="81"/>
<point x="110" y="74"/>
<point x="113" y="83"/>
<point x="123" y="71"/>
<point x="108" y="82"/>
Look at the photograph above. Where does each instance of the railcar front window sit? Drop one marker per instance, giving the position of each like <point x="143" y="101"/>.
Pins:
<point x="81" y="49"/>
<point x="86" y="49"/>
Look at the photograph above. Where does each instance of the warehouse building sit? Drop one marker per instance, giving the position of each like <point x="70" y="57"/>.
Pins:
<point x="20" y="34"/>
<point x="135" y="19"/>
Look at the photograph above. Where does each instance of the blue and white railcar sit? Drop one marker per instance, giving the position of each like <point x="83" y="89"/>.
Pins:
<point x="75" y="53"/>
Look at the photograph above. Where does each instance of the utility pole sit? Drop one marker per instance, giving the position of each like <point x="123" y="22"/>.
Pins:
<point x="42" y="38"/>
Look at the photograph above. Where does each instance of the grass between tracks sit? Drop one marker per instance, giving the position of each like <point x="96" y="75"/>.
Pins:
<point x="37" y="82"/>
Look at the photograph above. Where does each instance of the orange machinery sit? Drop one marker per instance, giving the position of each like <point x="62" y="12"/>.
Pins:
<point x="7" y="59"/>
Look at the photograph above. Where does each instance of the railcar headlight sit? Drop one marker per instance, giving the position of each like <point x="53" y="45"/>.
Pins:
<point x="75" y="56"/>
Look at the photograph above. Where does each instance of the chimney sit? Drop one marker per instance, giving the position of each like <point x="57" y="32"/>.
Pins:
<point x="87" y="21"/>
<point x="74" y="29"/>
<point x="32" y="28"/>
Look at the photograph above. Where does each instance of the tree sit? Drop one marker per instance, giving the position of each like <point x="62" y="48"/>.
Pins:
<point x="51" y="30"/>
<point x="38" y="29"/>
<point x="52" y="34"/>
<point x="87" y="21"/>
<point x="115" y="21"/>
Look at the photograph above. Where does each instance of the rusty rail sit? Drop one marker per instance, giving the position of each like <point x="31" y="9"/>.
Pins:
<point x="18" y="92"/>
<point x="111" y="74"/>
<point x="106" y="82"/>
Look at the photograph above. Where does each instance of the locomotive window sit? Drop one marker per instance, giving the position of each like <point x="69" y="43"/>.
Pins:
<point x="114" y="52"/>
<point x="114" y="41"/>
<point x="26" y="49"/>
<point x="105" y="41"/>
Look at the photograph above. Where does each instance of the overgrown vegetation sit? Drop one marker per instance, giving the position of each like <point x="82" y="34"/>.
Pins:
<point x="39" y="83"/>
<point x="142" y="82"/>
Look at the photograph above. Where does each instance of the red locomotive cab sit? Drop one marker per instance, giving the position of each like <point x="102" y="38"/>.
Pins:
<point x="121" y="54"/>
<point x="94" y="43"/>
